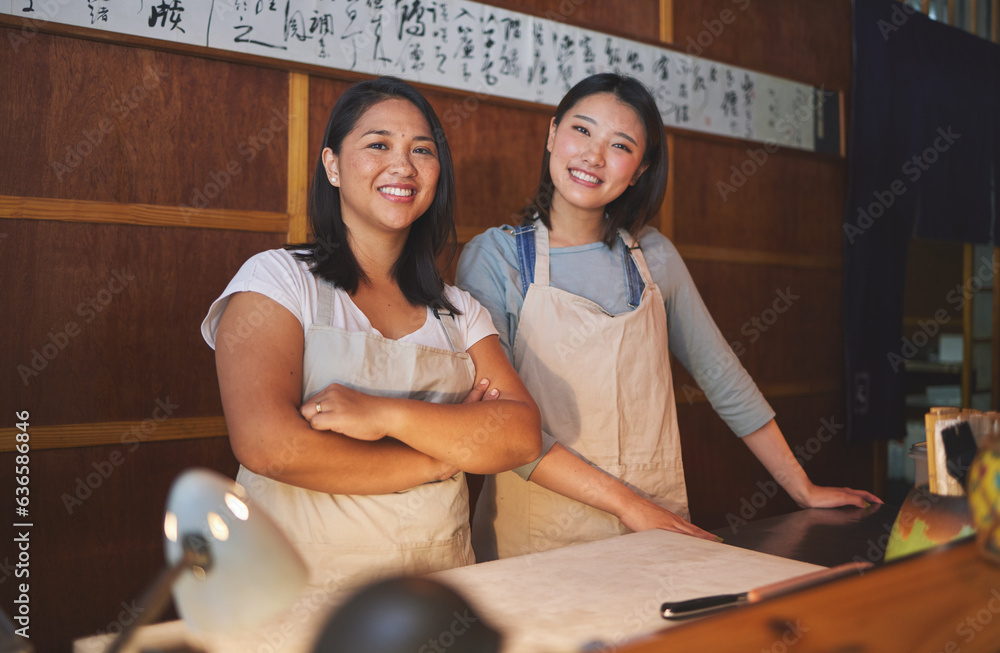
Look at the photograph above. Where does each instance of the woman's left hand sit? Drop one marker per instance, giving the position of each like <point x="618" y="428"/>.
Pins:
<point x="349" y="412"/>
<point x="818" y="496"/>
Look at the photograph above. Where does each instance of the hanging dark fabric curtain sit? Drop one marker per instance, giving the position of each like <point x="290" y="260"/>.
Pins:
<point x="924" y="158"/>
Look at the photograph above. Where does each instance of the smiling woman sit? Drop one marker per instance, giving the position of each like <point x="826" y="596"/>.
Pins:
<point x="590" y="303"/>
<point x="353" y="404"/>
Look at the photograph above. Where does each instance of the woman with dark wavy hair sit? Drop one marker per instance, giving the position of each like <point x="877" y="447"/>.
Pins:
<point x="348" y="369"/>
<point x="589" y="303"/>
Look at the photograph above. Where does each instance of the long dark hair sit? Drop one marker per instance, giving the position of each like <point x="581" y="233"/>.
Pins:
<point x="330" y="256"/>
<point x="639" y="203"/>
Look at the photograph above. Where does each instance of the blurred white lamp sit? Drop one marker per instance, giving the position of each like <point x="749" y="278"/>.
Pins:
<point x="230" y="566"/>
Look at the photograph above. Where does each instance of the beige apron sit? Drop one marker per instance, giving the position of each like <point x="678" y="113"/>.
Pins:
<point x="348" y="540"/>
<point x="604" y="388"/>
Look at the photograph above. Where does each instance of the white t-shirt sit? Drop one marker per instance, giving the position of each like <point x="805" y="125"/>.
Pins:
<point x="277" y="274"/>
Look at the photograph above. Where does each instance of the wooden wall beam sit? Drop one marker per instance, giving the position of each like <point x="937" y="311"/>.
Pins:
<point x="756" y="257"/>
<point x="968" y="328"/>
<point x="65" y="436"/>
<point x="995" y="372"/>
<point x="38" y="208"/>
<point x="666" y="216"/>
<point x="298" y="156"/>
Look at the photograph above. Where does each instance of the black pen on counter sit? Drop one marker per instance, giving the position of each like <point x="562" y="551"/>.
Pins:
<point x="708" y="604"/>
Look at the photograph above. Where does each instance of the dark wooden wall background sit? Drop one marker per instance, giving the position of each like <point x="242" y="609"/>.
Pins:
<point x="105" y="230"/>
<point x="779" y="231"/>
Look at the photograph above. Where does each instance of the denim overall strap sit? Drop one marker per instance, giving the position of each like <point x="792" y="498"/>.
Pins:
<point x="524" y="237"/>
<point x="633" y="280"/>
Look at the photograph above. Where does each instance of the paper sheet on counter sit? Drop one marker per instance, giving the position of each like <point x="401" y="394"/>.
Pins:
<point x="558" y="601"/>
<point x="608" y="591"/>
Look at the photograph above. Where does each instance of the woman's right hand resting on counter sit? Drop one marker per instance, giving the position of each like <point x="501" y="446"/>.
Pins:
<point x="561" y="471"/>
<point x="642" y="515"/>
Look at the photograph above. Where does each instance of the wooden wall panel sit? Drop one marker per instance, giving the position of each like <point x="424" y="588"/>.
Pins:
<point x="108" y="318"/>
<point x="783" y="323"/>
<point x="496" y="175"/>
<point x="739" y="195"/>
<point x="106" y="122"/>
<point x="97" y="536"/>
<point x="805" y="40"/>
<point x="323" y="94"/>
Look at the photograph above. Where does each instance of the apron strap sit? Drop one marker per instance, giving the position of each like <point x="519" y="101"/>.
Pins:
<point x="634" y="280"/>
<point x="325" y="314"/>
<point x="324" y="302"/>
<point x="541" y="254"/>
<point x="450" y="327"/>
<point x="533" y="260"/>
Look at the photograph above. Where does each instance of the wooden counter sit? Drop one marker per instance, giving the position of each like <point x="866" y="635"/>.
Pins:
<point x="605" y="595"/>
<point x="944" y="601"/>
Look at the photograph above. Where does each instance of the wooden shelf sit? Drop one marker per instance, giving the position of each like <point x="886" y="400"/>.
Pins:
<point x="933" y="367"/>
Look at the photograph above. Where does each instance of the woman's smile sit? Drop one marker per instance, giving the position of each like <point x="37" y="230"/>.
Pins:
<point x="585" y="177"/>
<point x="398" y="193"/>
